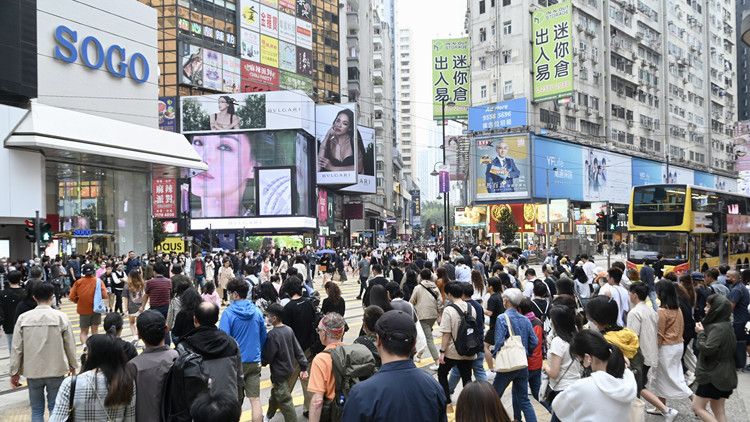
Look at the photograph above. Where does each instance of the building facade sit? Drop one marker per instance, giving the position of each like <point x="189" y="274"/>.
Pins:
<point x="651" y="79"/>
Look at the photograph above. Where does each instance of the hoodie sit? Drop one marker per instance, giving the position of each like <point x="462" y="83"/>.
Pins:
<point x="221" y="358"/>
<point x="600" y="394"/>
<point x="535" y="361"/>
<point x="244" y="321"/>
<point x="716" y="347"/>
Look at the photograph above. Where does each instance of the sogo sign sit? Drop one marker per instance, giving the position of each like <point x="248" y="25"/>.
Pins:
<point x="67" y="51"/>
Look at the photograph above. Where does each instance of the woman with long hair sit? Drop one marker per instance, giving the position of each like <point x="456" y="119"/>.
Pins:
<point x="668" y="381"/>
<point x="105" y="388"/>
<point x="686" y="300"/>
<point x="411" y="281"/>
<point x="479" y="402"/>
<point x="133" y="294"/>
<point x="113" y="328"/>
<point x="379" y="297"/>
<point x="337" y="147"/>
<point x="226" y="118"/>
<point x="609" y="390"/>
<point x="715" y="373"/>
<point x="477" y="280"/>
<point x="442" y="280"/>
<point x="183" y="322"/>
<point x="561" y="368"/>
<point x="334" y="302"/>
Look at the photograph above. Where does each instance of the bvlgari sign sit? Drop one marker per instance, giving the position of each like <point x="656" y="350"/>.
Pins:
<point x="92" y="54"/>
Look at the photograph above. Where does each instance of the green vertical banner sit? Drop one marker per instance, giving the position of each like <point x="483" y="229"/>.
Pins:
<point x="450" y="78"/>
<point x="552" y="52"/>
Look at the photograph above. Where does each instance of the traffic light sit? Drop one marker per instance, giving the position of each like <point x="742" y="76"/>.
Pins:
<point x="714" y="224"/>
<point x="601" y="222"/>
<point x="433" y="230"/>
<point x="612" y="223"/>
<point x="31" y="230"/>
<point x="440" y="231"/>
<point x="45" y="232"/>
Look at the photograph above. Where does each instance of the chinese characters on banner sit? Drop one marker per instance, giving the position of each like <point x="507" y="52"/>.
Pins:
<point x="445" y="179"/>
<point x="450" y="78"/>
<point x="416" y="208"/>
<point x="165" y="198"/>
<point x="553" y="67"/>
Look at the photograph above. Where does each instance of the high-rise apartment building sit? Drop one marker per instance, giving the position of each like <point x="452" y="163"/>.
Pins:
<point x="326" y="64"/>
<point x="404" y="95"/>
<point x="743" y="67"/>
<point x="651" y="79"/>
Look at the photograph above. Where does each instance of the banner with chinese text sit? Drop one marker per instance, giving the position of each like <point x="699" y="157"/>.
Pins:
<point x="165" y="198"/>
<point x="450" y="78"/>
<point x="552" y="52"/>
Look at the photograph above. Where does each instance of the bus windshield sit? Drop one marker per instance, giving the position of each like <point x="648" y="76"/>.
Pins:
<point x="658" y="206"/>
<point x="672" y="245"/>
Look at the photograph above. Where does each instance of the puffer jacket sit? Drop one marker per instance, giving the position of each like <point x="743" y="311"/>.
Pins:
<point x="426" y="300"/>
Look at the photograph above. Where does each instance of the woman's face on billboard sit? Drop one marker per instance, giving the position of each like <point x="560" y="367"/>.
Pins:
<point x="230" y="164"/>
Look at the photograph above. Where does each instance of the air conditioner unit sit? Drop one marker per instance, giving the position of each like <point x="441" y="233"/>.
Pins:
<point x="620" y="91"/>
<point x="600" y="115"/>
<point x="577" y="107"/>
<point x="575" y="51"/>
<point x="595" y="59"/>
<point x="630" y="123"/>
<point x="684" y="81"/>
<point x="569" y="106"/>
<point x="589" y="111"/>
<point x="633" y="55"/>
<point x="579" y="27"/>
<point x="641" y="82"/>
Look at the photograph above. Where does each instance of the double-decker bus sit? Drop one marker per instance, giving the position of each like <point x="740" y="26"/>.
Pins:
<point x="692" y="227"/>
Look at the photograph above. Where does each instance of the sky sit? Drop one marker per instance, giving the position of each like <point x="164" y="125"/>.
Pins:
<point x="428" y="20"/>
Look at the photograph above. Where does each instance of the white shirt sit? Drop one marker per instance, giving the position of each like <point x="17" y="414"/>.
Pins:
<point x="463" y="273"/>
<point x="590" y="269"/>
<point x="621" y="297"/>
<point x="561" y="349"/>
<point x="644" y="321"/>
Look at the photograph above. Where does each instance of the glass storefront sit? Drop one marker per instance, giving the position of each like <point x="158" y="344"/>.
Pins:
<point x="99" y="210"/>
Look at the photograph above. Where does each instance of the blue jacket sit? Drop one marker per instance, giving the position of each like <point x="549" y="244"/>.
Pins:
<point x="521" y="327"/>
<point x="498" y="183"/>
<point x="244" y="321"/>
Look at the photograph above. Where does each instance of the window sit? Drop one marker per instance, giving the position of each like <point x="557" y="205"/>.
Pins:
<point x="482" y="35"/>
<point x="482" y="63"/>
<point x="570" y="123"/>
<point x="481" y="6"/>
<point x="506" y="56"/>
<point x="508" y="88"/>
<point x="506" y="2"/>
<point x="494" y="87"/>
<point x="492" y="29"/>
<point x="483" y="91"/>
<point x="507" y="28"/>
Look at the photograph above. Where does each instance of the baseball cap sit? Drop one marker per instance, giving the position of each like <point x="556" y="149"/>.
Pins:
<point x="602" y="274"/>
<point x="696" y="275"/>
<point x="150" y="319"/>
<point x="396" y="326"/>
<point x="88" y="269"/>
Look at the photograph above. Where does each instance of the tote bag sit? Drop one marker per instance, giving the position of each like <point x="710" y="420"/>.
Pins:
<point x="99" y="307"/>
<point x="512" y="356"/>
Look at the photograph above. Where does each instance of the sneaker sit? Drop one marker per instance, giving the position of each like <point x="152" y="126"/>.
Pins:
<point x="670" y="414"/>
<point x="434" y="367"/>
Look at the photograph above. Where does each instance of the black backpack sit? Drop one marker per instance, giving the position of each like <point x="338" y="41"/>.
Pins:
<point x="184" y="382"/>
<point x="468" y="341"/>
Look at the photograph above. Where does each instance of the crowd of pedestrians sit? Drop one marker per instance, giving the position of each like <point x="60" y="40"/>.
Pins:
<point x="584" y="340"/>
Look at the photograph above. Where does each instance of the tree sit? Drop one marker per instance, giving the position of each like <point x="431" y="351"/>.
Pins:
<point x="506" y="226"/>
<point x="159" y="234"/>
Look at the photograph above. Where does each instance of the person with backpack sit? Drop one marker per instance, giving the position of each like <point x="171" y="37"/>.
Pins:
<point x="322" y="379"/>
<point x="244" y="321"/>
<point x="83" y="295"/>
<point x="399" y="391"/>
<point x="461" y="339"/>
<point x="478" y="365"/>
<point x="370" y="339"/>
<point x="535" y="361"/>
<point x="520" y="326"/>
<point x="282" y="351"/>
<point x="9" y="298"/>
<point x="151" y="366"/>
<point x="218" y="357"/>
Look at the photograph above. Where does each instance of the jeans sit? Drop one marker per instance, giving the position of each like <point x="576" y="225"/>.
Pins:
<point x="427" y="329"/>
<point x="652" y="298"/>
<point x="164" y="310"/>
<point x="9" y="337"/>
<point x="362" y="284"/>
<point x="535" y="383"/>
<point x="118" y="300"/>
<point x="477" y="367"/>
<point x="464" y="368"/>
<point x="520" y="379"/>
<point x="200" y="280"/>
<point x="36" y="395"/>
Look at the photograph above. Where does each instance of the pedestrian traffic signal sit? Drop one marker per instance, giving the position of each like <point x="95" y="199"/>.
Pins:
<point x="612" y="221"/>
<point x="45" y="232"/>
<point x="601" y="222"/>
<point x="31" y="230"/>
<point x="714" y="222"/>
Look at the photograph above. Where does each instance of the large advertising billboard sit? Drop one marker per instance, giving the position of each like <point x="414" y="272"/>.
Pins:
<point x="456" y="148"/>
<point x="338" y="144"/>
<point x="500" y="115"/>
<point x="365" y="174"/>
<point x="473" y="217"/>
<point x="502" y="168"/>
<point x="552" y="52"/>
<point x="607" y="176"/>
<point x="562" y="161"/>
<point x="450" y="78"/>
<point x="246" y="111"/>
<point x="523" y="214"/>
<point x="228" y="188"/>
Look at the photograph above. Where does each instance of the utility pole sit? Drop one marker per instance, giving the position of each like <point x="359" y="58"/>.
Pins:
<point x="38" y="228"/>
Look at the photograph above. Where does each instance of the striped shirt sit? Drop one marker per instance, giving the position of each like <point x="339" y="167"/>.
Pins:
<point x="159" y="290"/>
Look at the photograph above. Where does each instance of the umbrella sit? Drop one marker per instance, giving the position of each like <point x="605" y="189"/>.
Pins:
<point x="511" y="249"/>
<point x="325" y="251"/>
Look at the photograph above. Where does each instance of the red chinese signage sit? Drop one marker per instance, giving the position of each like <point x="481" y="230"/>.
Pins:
<point x="322" y="206"/>
<point x="260" y="74"/>
<point x="164" y="196"/>
<point x="524" y="215"/>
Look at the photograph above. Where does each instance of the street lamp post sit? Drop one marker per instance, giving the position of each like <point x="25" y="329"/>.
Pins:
<point x="446" y="199"/>
<point x="547" y="244"/>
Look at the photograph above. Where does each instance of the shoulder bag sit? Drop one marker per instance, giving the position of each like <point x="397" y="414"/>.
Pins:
<point x="99" y="306"/>
<point x="71" y="407"/>
<point x="512" y="356"/>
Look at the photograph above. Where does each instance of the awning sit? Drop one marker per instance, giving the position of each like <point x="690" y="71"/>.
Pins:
<point x="89" y="139"/>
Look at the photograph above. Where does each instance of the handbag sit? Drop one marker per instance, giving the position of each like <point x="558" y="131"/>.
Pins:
<point x="336" y="276"/>
<point x="637" y="411"/>
<point x="549" y="389"/>
<point x="512" y="356"/>
<point x="71" y="407"/>
<point x="99" y="306"/>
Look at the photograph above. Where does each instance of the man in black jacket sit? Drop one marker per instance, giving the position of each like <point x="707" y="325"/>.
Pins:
<point x="299" y="315"/>
<point x="221" y="354"/>
<point x="377" y="278"/>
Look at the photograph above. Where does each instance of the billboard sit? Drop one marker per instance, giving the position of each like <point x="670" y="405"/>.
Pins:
<point x="500" y="115"/>
<point x="704" y="179"/>
<point x="164" y="198"/>
<point x="228" y="188"/>
<point x="366" y="173"/>
<point x="677" y="175"/>
<point x="474" y="217"/>
<point x="450" y="78"/>
<point x="607" y="176"/>
<point x="456" y="156"/>
<point x="563" y="162"/>
<point x="646" y="172"/>
<point x="338" y="161"/>
<point x="247" y="111"/>
<point x="167" y="113"/>
<point x="558" y="209"/>
<point x="274" y="190"/>
<point x="523" y="214"/>
<point x="552" y="52"/>
<point x="416" y="208"/>
<point x="502" y="168"/>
